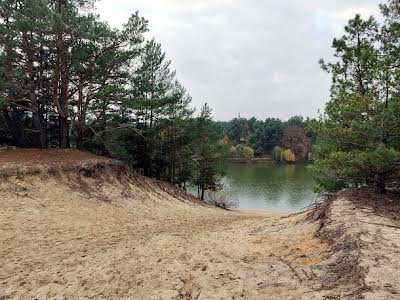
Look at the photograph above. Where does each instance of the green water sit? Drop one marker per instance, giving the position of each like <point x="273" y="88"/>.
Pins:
<point x="273" y="187"/>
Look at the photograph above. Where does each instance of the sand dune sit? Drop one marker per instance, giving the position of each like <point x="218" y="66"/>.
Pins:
<point x="89" y="228"/>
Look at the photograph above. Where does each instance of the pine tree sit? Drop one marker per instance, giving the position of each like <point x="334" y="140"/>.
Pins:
<point x="210" y="153"/>
<point x="359" y="133"/>
<point x="151" y="90"/>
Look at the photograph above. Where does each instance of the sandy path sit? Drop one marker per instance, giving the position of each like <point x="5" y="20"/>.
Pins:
<point x="58" y="242"/>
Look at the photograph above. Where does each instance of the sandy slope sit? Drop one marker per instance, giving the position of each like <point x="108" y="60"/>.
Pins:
<point x="366" y="230"/>
<point x="99" y="232"/>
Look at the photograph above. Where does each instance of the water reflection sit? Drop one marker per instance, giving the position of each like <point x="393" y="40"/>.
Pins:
<point x="276" y="187"/>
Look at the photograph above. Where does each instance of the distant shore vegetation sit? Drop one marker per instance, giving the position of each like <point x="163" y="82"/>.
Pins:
<point x="271" y="139"/>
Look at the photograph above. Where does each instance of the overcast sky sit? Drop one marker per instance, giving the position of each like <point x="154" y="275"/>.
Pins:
<point x="249" y="57"/>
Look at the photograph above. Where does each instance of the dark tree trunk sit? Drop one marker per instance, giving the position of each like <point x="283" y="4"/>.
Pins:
<point x="60" y="100"/>
<point x="147" y="161"/>
<point x="81" y="118"/>
<point x="103" y="125"/>
<point x="172" y="173"/>
<point x="64" y="133"/>
<point x="150" y="146"/>
<point x="380" y="184"/>
<point x="61" y="77"/>
<point x="83" y="104"/>
<point x="64" y="122"/>
<point x="36" y="118"/>
<point x="14" y="123"/>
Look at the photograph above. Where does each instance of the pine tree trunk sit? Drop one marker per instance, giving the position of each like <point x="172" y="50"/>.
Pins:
<point x="62" y="74"/>
<point x="36" y="118"/>
<point x="64" y="133"/>
<point x="64" y="123"/>
<point x="202" y="193"/>
<point x="380" y="184"/>
<point x="103" y="126"/>
<point x="81" y="118"/>
<point x="150" y="147"/>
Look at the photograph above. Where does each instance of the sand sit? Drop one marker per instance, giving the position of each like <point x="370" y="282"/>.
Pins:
<point x="111" y="234"/>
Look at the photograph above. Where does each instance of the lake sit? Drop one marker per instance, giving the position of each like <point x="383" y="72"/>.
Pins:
<point x="272" y="187"/>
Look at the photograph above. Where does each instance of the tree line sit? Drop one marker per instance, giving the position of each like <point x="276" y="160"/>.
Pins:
<point x="359" y="133"/>
<point x="68" y="79"/>
<point x="264" y="135"/>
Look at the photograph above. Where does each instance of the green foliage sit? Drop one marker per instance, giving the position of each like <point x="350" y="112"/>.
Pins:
<point x="209" y="153"/>
<point x="296" y="121"/>
<point x="69" y="79"/>
<point x="282" y="155"/>
<point x="262" y="136"/>
<point x="327" y="185"/>
<point x="241" y="151"/>
<point x="266" y="135"/>
<point x="238" y="130"/>
<point x="358" y="136"/>
<point x="3" y="103"/>
<point x="278" y="154"/>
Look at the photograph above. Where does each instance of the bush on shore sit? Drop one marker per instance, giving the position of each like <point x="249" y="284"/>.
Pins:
<point x="280" y="154"/>
<point x="241" y="151"/>
<point x="222" y="198"/>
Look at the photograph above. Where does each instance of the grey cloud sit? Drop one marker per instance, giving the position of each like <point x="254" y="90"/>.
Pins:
<point x="254" y="57"/>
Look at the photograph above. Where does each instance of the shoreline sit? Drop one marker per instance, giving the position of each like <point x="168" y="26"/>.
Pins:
<point x="267" y="213"/>
<point x="260" y="161"/>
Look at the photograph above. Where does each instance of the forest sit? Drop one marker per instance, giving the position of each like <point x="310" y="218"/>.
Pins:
<point x="270" y="138"/>
<point x="68" y="79"/>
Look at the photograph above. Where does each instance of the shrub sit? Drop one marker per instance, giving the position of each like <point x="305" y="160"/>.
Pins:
<point x="248" y="152"/>
<point x="240" y="151"/>
<point x="288" y="155"/>
<point x="222" y="198"/>
<point x="283" y="155"/>
<point x="278" y="154"/>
